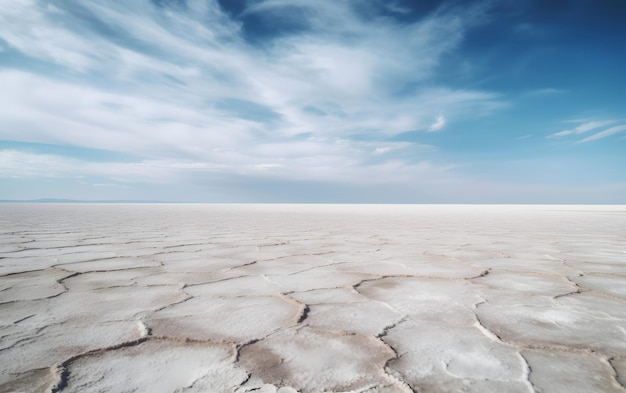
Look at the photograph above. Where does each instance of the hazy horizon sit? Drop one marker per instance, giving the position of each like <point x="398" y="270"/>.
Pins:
<point x="279" y="101"/>
<point x="47" y="201"/>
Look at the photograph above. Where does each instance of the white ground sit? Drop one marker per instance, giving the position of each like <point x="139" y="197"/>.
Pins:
<point x="286" y="298"/>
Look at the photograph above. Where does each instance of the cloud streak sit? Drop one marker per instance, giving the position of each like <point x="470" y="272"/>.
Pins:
<point x="583" y="128"/>
<point x="604" y="134"/>
<point x="588" y="126"/>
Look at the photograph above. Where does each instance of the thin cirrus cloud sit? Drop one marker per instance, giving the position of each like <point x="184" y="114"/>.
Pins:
<point x="605" y="133"/>
<point x="591" y="126"/>
<point x="182" y="83"/>
<point x="583" y="128"/>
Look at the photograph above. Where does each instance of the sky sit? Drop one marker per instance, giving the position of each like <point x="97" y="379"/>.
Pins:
<point x="325" y="101"/>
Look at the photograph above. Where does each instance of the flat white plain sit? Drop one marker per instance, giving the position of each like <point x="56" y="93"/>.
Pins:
<point x="312" y="298"/>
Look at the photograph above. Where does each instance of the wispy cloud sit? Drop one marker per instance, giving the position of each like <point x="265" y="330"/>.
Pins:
<point x="588" y="126"/>
<point x="583" y="128"/>
<point x="547" y="91"/>
<point x="183" y="88"/>
<point x="439" y="123"/>
<point x="604" y="134"/>
<point x="327" y="168"/>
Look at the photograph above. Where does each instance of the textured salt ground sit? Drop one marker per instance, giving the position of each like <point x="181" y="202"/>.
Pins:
<point x="286" y="298"/>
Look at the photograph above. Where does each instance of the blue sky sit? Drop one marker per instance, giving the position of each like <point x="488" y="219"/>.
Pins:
<point x="365" y="101"/>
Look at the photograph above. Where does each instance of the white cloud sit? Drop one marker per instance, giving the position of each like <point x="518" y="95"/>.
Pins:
<point x="17" y="164"/>
<point x="604" y="134"/>
<point x="164" y="85"/>
<point x="342" y="165"/>
<point x="439" y="123"/>
<point x="585" y="127"/>
<point x="26" y="29"/>
<point x="588" y="126"/>
<point x="388" y="147"/>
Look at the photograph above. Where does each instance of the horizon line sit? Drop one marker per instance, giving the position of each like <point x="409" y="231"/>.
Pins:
<point x="148" y="201"/>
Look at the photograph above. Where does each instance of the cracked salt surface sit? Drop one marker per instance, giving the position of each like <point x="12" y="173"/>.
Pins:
<point x="305" y="298"/>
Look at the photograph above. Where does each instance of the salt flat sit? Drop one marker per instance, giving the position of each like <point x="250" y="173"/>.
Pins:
<point x="312" y="298"/>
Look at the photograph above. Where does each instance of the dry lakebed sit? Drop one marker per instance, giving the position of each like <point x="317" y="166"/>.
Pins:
<point x="312" y="298"/>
